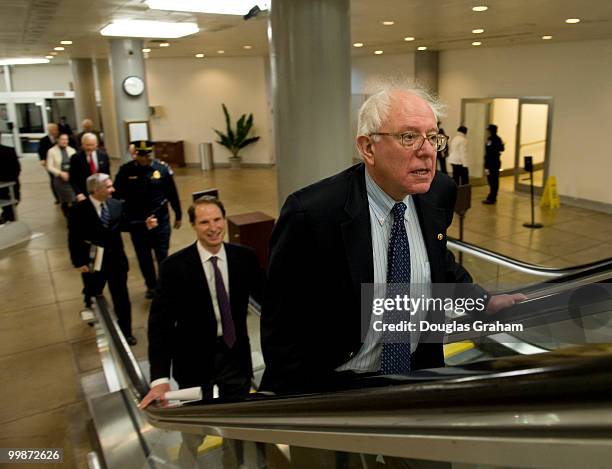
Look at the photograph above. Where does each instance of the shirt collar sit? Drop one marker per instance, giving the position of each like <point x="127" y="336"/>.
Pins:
<point x="380" y="201"/>
<point x="205" y="254"/>
<point x="96" y="203"/>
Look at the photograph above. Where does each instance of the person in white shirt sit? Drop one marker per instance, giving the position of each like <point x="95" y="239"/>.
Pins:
<point x="458" y="156"/>
<point x="58" y="164"/>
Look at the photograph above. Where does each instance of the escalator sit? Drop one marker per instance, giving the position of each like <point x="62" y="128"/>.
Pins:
<point x="538" y="398"/>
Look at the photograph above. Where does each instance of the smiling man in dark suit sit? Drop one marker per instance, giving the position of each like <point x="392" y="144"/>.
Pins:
<point x="94" y="229"/>
<point x="383" y="221"/>
<point x="197" y="323"/>
<point x="89" y="160"/>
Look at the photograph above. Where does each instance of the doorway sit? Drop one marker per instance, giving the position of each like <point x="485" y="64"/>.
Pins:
<point x="524" y="125"/>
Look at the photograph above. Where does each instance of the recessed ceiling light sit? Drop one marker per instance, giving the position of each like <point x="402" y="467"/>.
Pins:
<point x="358" y="44"/>
<point x="52" y="53"/>
<point x="572" y="20"/>
<point x="59" y="48"/>
<point x="388" y="23"/>
<point x="199" y="56"/>
<point x="23" y="61"/>
<point x="546" y="38"/>
<point x="48" y="56"/>
<point x="233" y="7"/>
<point x="476" y="43"/>
<point x="409" y="38"/>
<point x="164" y="44"/>
<point x="153" y="29"/>
<point x="66" y="43"/>
<point x="220" y="52"/>
<point x="378" y="52"/>
<point x="480" y="8"/>
<point x="478" y="31"/>
<point x="146" y="50"/>
<point x="422" y="48"/>
<point x="247" y="47"/>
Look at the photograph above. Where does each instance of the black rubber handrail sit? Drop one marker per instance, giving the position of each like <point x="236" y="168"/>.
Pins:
<point x="537" y="269"/>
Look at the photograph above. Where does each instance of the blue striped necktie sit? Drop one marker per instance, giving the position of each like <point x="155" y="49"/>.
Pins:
<point x="105" y="215"/>
<point x="395" y="359"/>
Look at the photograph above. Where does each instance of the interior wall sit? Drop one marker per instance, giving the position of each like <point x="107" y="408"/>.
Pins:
<point x="366" y="70"/>
<point x="190" y="93"/>
<point x="504" y="114"/>
<point x="41" y="77"/>
<point x="577" y="78"/>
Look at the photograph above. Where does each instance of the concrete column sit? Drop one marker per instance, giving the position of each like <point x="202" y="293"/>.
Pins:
<point x="311" y="87"/>
<point x="126" y="60"/>
<point x="109" y="115"/>
<point x="84" y="91"/>
<point x="426" y="69"/>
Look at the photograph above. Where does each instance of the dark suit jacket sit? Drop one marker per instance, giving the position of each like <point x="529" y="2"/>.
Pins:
<point x="320" y="254"/>
<point x="9" y="170"/>
<point x="79" y="169"/>
<point x="85" y="229"/>
<point x="182" y="324"/>
<point x="44" y="145"/>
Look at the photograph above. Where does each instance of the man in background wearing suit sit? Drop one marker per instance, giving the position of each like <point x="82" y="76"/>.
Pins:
<point x="9" y="172"/>
<point x="94" y="229"/>
<point x="197" y="323"/>
<point x="88" y="128"/>
<point x="382" y="221"/>
<point x="90" y="160"/>
<point x="44" y="145"/>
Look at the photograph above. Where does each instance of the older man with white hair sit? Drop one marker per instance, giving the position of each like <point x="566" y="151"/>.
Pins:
<point x="89" y="160"/>
<point x="96" y="248"/>
<point x="382" y="221"/>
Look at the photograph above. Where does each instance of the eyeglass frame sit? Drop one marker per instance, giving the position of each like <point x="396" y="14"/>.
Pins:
<point x="400" y="136"/>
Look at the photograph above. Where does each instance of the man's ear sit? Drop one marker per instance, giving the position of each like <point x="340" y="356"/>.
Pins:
<point x="364" y="145"/>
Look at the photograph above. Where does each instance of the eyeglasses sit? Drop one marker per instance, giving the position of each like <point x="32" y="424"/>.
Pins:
<point x="414" y="140"/>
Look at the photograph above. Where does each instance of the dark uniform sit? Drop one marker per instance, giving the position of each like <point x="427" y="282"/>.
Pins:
<point x="147" y="190"/>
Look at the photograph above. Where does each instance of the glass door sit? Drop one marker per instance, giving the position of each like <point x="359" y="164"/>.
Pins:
<point x="31" y="125"/>
<point x="533" y="139"/>
<point x="475" y="115"/>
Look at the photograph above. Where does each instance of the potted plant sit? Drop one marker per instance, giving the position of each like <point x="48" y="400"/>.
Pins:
<point x="236" y="140"/>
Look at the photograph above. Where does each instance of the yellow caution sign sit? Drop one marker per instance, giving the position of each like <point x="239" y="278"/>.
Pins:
<point x="550" y="197"/>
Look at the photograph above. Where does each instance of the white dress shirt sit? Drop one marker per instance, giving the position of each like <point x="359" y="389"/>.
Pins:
<point x="94" y="155"/>
<point x="381" y="220"/>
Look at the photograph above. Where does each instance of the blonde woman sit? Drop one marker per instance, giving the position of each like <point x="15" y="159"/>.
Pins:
<point x="58" y="164"/>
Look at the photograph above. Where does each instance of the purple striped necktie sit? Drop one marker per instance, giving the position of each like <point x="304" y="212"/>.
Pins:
<point x="229" y="332"/>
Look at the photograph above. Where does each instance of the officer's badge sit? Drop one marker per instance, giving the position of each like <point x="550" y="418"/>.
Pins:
<point x="156" y="174"/>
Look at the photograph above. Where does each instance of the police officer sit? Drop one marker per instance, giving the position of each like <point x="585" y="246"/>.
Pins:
<point x="147" y="186"/>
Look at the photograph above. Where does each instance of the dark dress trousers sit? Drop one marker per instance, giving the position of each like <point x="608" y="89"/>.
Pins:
<point x="80" y="170"/>
<point x="320" y="254"/>
<point x="182" y="324"/>
<point x="84" y="230"/>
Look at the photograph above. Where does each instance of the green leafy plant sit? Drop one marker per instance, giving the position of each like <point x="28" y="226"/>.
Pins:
<point x="236" y="140"/>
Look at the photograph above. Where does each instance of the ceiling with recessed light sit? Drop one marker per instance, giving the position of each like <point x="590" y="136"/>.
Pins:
<point x="33" y="28"/>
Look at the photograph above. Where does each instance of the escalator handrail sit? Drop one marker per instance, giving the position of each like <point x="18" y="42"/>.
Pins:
<point x="521" y="266"/>
<point x="128" y="360"/>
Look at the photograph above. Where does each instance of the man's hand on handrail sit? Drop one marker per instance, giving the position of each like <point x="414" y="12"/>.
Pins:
<point x="499" y="302"/>
<point x="157" y="393"/>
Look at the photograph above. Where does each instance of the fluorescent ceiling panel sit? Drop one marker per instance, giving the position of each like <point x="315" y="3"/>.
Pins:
<point x="150" y="29"/>
<point x="23" y="61"/>
<point x="219" y="7"/>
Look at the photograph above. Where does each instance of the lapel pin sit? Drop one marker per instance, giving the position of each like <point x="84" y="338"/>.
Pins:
<point x="440" y="236"/>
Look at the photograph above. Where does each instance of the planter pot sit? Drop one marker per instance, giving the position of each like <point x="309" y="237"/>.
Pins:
<point x="235" y="162"/>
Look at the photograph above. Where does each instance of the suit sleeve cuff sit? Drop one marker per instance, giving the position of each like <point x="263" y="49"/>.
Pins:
<point x="160" y="381"/>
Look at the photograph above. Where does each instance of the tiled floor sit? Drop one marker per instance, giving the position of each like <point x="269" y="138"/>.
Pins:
<point x="44" y="347"/>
